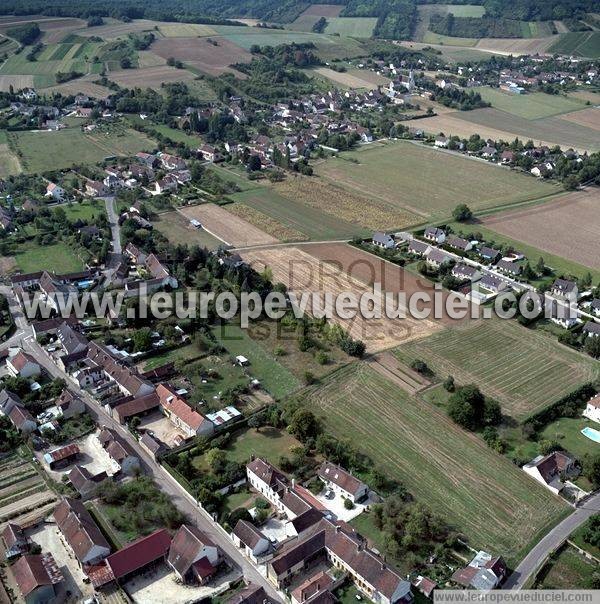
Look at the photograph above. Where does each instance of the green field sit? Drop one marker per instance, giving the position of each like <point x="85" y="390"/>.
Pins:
<point x="427" y="181"/>
<point x="567" y="570"/>
<point x="532" y="106"/>
<point x="87" y="210"/>
<point x="316" y="225"/>
<point x="497" y="506"/>
<point x="176" y="228"/>
<point x="274" y="378"/>
<point x="57" y="257"/>
<point x="179" y="136"/>
<point x="580" y="43"/>
<point x="524" y="370"/>
<point x="354" y="27"/>
<point x="43" y="151"/>
<point x="432" y="38"/>
<point x="182" y="353"/>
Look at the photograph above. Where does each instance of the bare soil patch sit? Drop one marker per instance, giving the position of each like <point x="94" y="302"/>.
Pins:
<point x="8" y="264"/>
<point x="226" y="226"/>
<point x="543" y="226"/>
<point x="307" y="273"/>
<point x="213" y="57"/>
<point x="590" y="118"/>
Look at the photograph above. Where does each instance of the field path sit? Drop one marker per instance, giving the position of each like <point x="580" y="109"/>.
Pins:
<point x="389" y="367"/>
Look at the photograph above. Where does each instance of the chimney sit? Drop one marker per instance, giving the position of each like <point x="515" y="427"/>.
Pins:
<point x="293" y="483"/>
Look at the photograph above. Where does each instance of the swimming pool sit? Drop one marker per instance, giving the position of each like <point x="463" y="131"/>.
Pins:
<point x="85" y="284"/>
<point x="591" y="434"/>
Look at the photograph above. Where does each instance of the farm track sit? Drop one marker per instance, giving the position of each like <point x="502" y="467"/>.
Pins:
<point x="389" y="367"/>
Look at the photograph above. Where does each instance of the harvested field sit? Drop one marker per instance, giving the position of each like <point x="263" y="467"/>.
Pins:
<point x="324" y="10"/>
<point x="16" y="81"/>
<point x="369" y="269"/>
<point x="297" y="216"/>
<point x="302" y="23"/>
<point x="586" y="95"/>
<point x="432" y="38"/>
<point x="356" y="78"/>
<point x="113" y="28"/>
<point x="227" y="227"/>
<point x="150" y="77"/>
<point x="348" y="206"/>
<point x="424" y="180"/>
<point x="81" y="86"/>
<point x="524" y="370"/>
<point x="495" y="124"/>
<point x="185" y="30"/>
<point x="149" y="59"/>
<point x="213" y="58"/>
<point x="387" y="365"/>
<point x="516" y="46"/>
<point x="589" y="118"/>
<point x="475" y="490"/>
<point x="55" y="30"/>
<point x="305" y="273"/>
<point x="178" y="229"/>
<point x="265" y="223"/>
<point x="542" y="226"/>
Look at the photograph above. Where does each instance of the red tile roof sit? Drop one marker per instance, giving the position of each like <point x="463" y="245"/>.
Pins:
<point x="64" y="452"/>
<point x="187" y="542"/>
<point x="178" y="407"/>
<point x="203" y="568"/>
<point x="139" y="553"/>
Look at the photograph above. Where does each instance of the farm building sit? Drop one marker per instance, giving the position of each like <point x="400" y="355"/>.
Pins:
<point x="193" y="556"/>
<point x="483" y="572"/>
<point x="37" y="578"/>
<point x="14" y="541"/>
<point x="340" y="481"/>
<point x="59" y="458"/>
<point x="247" y="537"/>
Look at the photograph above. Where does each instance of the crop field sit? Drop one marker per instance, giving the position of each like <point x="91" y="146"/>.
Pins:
<point x="542" y="226"/>
<point x="345" y="205"/>
<point x="19" y="65"/>
<point x="426" y="11"/>
<point x="185" y="30"/>
<point x="303" y="23"/>
<point x="81" y="86"/>
<point x="532" y="106"/>
<point x="480" y="493"/>
<point x="355" y="78"/>
<point x="213" y="58"/>
<point x="58" y="257"/>
<point x="330" y="48"/>
<point x="580" y="43"/>
<point x="524" y="370"/>
<point x="324" y="10"/>
<point x="264" y="222"/>
<point x="354" y="27"/>
<point x="9" y="163"/>
<point x="433" y="38"/>
<point x="113" y="28"/>
<point x="424" y="180"/>
<point x="71" y="146"/>
<point x="551" y="130"/>
<point x="589" y="118"/>
<point x="177" y="230"/>
<point x="516" y="46"/>
<point x="306" y="274"/>
<point x="586" y="95"/>
<point x="150" y="77"/>
<point x="227" y="227"/>
<point x="295" y="215"/>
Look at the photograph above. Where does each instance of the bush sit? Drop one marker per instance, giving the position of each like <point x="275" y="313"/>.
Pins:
<point x="322" y="357"/>
<point x="348" y="504"/>
<point x="462" y="213"/>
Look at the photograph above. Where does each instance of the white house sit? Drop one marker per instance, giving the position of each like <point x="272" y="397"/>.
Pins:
<point x="23" y="365"/>
<point x="181" y="414"/>
<point x="57" y="193"/>
<point x="550" y="470"/>
<point x="342" y="482"/>
<point x="592" y="409"/>
<point x="383" y="240"/>
<point x="248" y="538"/>
<point x="434" y="234"/>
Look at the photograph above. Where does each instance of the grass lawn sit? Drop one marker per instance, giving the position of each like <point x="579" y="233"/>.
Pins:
<point x="524" y="370"/>
<point x="532" y="106"/>
<point x="482" y="494"/>
<point x="176" y="228"/>
<point x="557" y="263"/>
<point x="181" y="353"/>
<point x="179" y="136"/>
<point x="236" y="176"/>
<point x="427" y="181"/>
<point x="239" y="500"/>
<point x="87" y="210"/>
<point x="71" y="146"/>
<point x="58" y="257"/>
<point x="294" y="214"/>
<point x="347" y="594"/>
<point x="269" y="443"/>
<point x="355" y="27"/>
<point x="568" y="570"/>
<point x="274" y="377"/>
<point x="566" y="431"/>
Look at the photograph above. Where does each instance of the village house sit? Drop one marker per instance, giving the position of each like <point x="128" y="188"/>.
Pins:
<point x="84" y="483"/>
<point x="134" y="407"/>
<point x="37" y="577"/>
<point x="592" y="329"/>
<point x="434" y="235"/>
<point x="209" y="153"/>
<point x="247" y="537"/>
<point x="552" y="470"/>
<point x="8" y="400"/>
<point x="489" y="254"/>
<point x="483" y="572"/>
<point x="22" y="420"/>
<point x="492" y="283"/>
<point x="342" y="482"/>
<point x="250" y="594"/>
<point x="193" y="556"/>
<point x="96" y="188"/>
<point x="267" y="480"/>
<point x="23" y="365"/>
<point x="71" y="340"/>
<point x="14" y="541"/>
<point x="181" y="414"/>
<point x="425" y="585"/>
<point x="151" y="445"/>
<point x="563" y="288"/>
<point x="561" y="313"/>
<point x="316" y="588"/>
<point x="436" y="257"/>
<point x="418" y="248"/>
<point x="147" y="159"/>
<point x="68" y="405"/>
<point x="458" y="243"/>
<point x="383" y="240"/>
<point x="57" y="193"/>
<point x="592" y="409"/>
<point x="441" y="142"/>
<point x="507" y="157"/>
<point x="595" y="307"/>
<point x="81" y="532"/>
<point x="172" y="162"/>
<point x="120" y="452"/>
<point x="510" y="268"/>
<point x="465" y="272"/>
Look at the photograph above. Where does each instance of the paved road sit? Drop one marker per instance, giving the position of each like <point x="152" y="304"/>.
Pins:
<point x="177" y="494"/>
<point x="537" y="556"/>
<point x="113" y="220"/>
